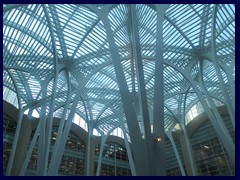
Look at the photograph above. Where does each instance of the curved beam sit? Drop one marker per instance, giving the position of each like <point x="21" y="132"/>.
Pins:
<point x="58" y="29"/>
<point x="179" y="30"/>
<point x="229" y="103"/>
<point x="29" y="33"/>
<point x="84" y="37"/>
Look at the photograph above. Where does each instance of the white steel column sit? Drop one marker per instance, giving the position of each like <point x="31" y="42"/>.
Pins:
<point x="60" y="130"/>
<point x="15" y="141"/>
<point x="29" y="152"/>
<point x="186" y="144"/>
<point x="137" y="141"/>
<point x="229" y="73"/>
<point x="49" y="126"/>
<point x="42" y="134"/>
<point x="169" y="134"/>
<point x="19" y="124"/>
<point x="141" y="81"/>
<point x="218" y="125"/>
<point x="220" y="128"/>
<point x="222" y="125"/>
<point x="190" y="158"/>
<point x="88" y="151"/>
<point x="158" y="165"/>
<point x="129" y="152"/>
<point x="52" y="104"/>
<point x="29" y="116"/>
<point x="210" y="101"/>
<point x="90" y="132"/>
<point x="213" y="57"/>
<point x="103" y="140"/>
<point x="57" y="159"/>
<point x="218" y="120"/>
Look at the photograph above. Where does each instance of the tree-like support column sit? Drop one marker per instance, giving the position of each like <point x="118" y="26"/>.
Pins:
<point x="158" y="162"/>
<point x="140" y="154"/>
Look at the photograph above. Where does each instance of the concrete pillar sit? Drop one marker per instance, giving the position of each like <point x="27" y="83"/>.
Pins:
<point x="21" y="148"/>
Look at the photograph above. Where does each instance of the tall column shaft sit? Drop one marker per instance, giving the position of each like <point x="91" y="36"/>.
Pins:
<point x="187" y="153"/>
<point x="129" y="153"/>
<point x="103" y="140"/>
<point x="158" y="164"/>
<point x="169" y="134"/>
<point x="29" y="152"/>
<point x="58" y="156"/>
<point x="213" y="57"/>
<point x="141" y="82"/>
<point x="89" y="157"/>
<point x="22" y="145"/>
<point x="140" y="154"/>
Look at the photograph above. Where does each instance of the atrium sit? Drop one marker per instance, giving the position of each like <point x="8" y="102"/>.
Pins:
<point x="118" y="89"/>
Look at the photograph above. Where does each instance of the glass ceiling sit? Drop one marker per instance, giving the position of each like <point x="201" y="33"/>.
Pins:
<point x="40" y="40"/>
